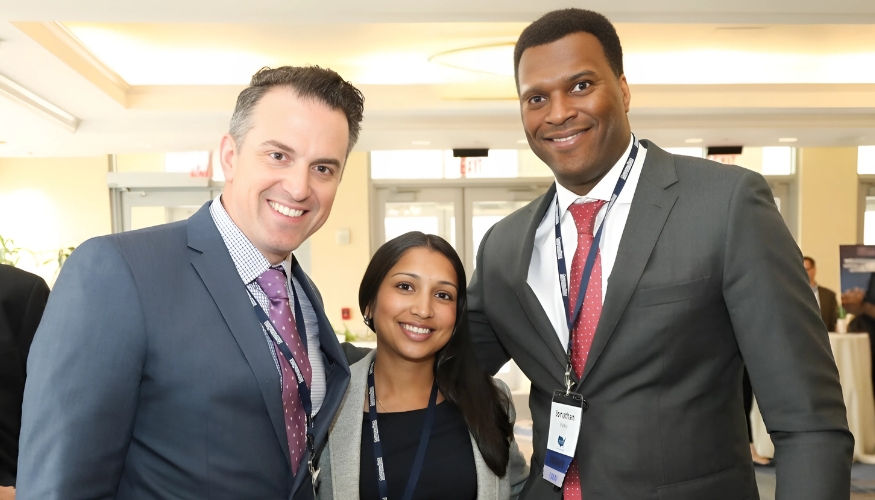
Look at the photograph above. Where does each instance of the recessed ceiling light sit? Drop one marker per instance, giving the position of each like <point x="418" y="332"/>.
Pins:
<point x="788" y="139"/>
<point x="421" y="143"/>
<point x="694" y="141"/>
<point x="522" y="141"/>
<point x="493" y="59"/>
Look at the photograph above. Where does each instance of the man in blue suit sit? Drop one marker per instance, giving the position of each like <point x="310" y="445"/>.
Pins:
<point x="164" y="366"/>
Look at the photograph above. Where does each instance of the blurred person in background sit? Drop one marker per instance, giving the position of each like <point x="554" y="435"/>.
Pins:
<point x="23" y="298"/>
<point x="826" y="298"/>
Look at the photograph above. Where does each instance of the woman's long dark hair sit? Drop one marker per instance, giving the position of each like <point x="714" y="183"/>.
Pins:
<point x="458" y="374"/>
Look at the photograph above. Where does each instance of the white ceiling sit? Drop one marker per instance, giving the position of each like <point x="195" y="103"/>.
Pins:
<point x="806" y="68"/>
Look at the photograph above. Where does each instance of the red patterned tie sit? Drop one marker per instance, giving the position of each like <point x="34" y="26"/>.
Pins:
<point x="584" y="215"/>
<point x="273" y="282"/>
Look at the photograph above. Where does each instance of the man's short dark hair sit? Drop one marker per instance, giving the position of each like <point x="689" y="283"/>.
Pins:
<point x="560" y="23"/>
<point x="809" y="259"/>
<point x="322" y="85"/>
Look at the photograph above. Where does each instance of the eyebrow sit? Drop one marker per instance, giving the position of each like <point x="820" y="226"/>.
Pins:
<point x="416" y="276"/>
<point x="291" y="151"/>
<point x="278" y="145"/>
<point x="577" y="76"/>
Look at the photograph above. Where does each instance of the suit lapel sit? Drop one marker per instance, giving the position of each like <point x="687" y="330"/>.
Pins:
<point x="651" y="205"/>
<point x="211" y="260"/>
<point x="526" y="296"/>
<point x="336" y="366"/>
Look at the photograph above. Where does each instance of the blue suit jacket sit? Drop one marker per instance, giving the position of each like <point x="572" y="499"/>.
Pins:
<point x="150" y="377"/>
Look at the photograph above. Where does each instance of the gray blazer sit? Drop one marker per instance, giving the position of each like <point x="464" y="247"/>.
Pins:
<point x="340" y="463"/>
<point x="150" y="377"/>
<point x="707" y="278"/>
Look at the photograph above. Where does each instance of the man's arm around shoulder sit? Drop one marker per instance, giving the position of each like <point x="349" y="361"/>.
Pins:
<point x="487" y="347"/>
<point x="84" y="373"/>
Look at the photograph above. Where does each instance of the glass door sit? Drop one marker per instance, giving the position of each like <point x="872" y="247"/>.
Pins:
<point x="430" y="210"/>
<point x="141" y="208"/>
<point x="484" y="206"/>
<point x="784" y="191"/>
<point x="460" y="214"/>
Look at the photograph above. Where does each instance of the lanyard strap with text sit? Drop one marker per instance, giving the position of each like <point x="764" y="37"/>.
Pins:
<point x="303" y="390"/>
<point x="378" y="447"/>
<point x="572" y="314"/>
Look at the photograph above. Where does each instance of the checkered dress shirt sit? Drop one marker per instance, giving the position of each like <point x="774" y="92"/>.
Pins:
<point x="250" y="264"/>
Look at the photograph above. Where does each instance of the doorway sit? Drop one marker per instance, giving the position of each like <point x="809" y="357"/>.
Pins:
<point x="461" y="212"/>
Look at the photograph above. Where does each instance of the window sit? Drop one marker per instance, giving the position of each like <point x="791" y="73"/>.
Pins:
<point x="866" y="160"/>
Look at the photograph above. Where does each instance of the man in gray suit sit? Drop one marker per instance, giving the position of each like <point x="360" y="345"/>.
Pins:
<point x="163" y="366"/>
<point x="688" y="280"/>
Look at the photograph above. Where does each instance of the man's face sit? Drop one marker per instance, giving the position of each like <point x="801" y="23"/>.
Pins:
<point x="574" y="109"/>
<point x="810" y="269"/>
<point x="280" y="185"/>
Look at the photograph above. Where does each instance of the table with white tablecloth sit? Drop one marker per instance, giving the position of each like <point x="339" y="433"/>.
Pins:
<point x="853" y="359"/>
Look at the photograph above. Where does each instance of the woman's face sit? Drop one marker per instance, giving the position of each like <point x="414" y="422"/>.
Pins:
<point x="415" y="310"/>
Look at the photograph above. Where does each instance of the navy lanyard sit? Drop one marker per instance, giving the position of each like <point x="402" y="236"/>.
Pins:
<point x="564" y="283"/>
<point x="303" y="390"/>
<point x="378" y="446"/>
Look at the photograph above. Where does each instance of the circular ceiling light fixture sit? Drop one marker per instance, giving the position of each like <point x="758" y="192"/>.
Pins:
<point x="495" y="59"/>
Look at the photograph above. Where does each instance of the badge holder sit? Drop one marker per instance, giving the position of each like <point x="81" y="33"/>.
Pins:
<point x="566" y="412"/>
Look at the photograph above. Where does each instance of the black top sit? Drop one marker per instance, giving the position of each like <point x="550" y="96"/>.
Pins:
<point x="448" y="471"/>
<point x="23" y="297"/>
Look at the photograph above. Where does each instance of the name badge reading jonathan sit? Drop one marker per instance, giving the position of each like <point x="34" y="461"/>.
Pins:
<point x="565" y="415"/>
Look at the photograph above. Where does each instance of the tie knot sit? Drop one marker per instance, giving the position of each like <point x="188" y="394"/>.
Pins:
<point x="584" y="215"/>
<point x="273" y="282"/>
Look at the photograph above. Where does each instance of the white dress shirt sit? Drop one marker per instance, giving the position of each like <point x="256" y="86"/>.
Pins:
<point x="543" y="274"/>
<point x="250" y="263"/>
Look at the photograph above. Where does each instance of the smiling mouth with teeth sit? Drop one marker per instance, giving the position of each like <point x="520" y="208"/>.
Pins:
<point x="285" y="210"/>
<point x="416" y="330"/>
<point x="565" y="139"/>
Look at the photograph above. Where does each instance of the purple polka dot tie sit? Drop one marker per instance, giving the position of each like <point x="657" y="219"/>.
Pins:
<point x="273" y="282"/>
<point x="584" y="215"/>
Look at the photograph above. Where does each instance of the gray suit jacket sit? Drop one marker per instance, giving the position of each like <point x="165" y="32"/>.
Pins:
<point x="340" y="463"/>
<point x="150" y="377"/>
<point x="707" y="277"/>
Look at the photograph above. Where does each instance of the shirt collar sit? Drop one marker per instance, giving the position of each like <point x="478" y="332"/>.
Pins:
<point x="250" y="262"/>
<point x="605" y="187"/>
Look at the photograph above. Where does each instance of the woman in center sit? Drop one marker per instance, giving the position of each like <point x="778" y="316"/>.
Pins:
<point x="419" y="405"/>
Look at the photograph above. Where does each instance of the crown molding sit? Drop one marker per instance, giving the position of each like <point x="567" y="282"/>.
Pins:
<point x="58" y="40"/>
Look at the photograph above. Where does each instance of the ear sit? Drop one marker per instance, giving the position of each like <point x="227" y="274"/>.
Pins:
<point x="228" y="156"/>
<point x="627" y="96"/>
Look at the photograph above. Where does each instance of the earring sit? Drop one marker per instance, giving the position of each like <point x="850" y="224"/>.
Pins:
<point x="369" y="322"/>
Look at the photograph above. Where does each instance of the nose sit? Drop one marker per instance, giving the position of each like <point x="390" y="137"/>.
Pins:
<point x="561" y="110"/>
<point x="297" y="182"/>
<point x="421" y="306"/>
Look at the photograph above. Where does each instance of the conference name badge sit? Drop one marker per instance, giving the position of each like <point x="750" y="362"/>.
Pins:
<point x="565" y="414"/>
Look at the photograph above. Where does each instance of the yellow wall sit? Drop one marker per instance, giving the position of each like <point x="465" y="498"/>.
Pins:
<point x="827" y="207"/>
<point x="50" y="203"/>
<point x="146" y="162"/>
<point x="338" y="269"/>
